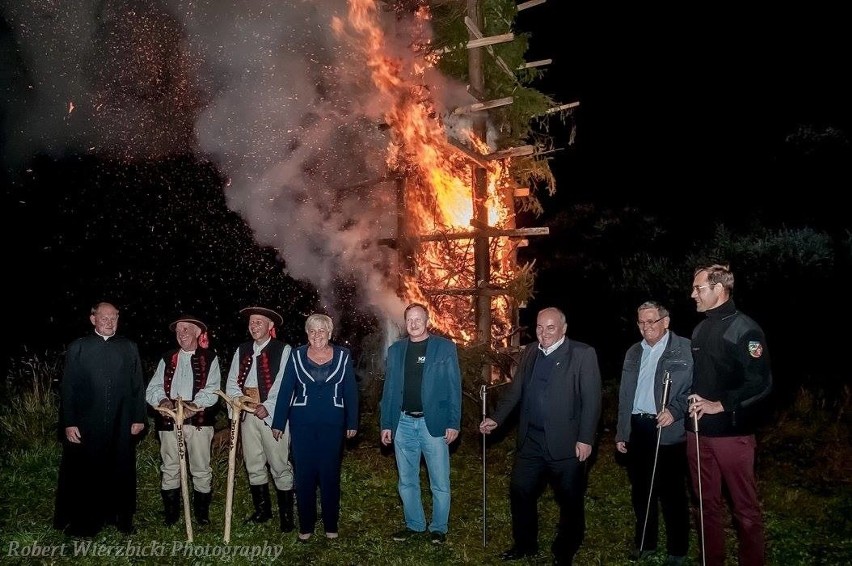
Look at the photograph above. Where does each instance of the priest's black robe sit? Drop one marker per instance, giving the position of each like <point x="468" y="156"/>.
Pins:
<point x="102" y="393"/>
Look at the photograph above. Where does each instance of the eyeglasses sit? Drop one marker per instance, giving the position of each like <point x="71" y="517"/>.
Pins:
<point x="697" y="288"/>
<point x="641" y="323"/>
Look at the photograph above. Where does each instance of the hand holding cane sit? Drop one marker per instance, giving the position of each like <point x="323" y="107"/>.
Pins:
<point x="237" y="405"/>
<point x="177" y="415"/>
<point x="698" y="470"/>
<point x="664" y="401"/>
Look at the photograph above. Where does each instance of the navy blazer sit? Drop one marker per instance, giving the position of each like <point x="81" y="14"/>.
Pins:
<point x="573" y="404"/>
<point x="309" y="402"/>
<point x="440" y="391"/>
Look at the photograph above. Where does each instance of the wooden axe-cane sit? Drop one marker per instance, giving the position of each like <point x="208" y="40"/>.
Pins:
<point x="176" y="415"/>
<point x="237" y="405"/>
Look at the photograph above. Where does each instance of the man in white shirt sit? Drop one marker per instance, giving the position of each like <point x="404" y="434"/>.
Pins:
<point x="192" y="373"/>
<point x="256" y="371"/>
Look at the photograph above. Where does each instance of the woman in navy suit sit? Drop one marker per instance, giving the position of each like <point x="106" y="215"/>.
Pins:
<point x="320" y="382"/>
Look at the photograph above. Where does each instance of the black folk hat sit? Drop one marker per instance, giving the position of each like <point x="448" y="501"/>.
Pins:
<point x="276" y="318"/>
<point x="188" y="318"/>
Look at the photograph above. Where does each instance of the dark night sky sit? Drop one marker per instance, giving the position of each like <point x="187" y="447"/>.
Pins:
<point x="690" y="103"/>
<point x="689" y="113"/>
<point x="697" y="114"/>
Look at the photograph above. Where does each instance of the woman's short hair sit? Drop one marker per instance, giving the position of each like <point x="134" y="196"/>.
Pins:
<point x="318" y="320"/>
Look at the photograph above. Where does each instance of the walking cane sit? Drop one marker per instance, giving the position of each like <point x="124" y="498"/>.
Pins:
<point x="667" y="381"/>
<point x="237" y="406"/>
<point x="483" y="395"/>
<point x="700" y="492"/>
<point x="177" y="417"/>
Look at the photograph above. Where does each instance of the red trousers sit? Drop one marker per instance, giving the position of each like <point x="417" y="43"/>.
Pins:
<point x="728" y="461"/>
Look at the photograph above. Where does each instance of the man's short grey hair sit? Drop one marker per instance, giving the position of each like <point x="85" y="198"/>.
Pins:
<point x="562" y="317"/>
<point x="663" y="311"/>
<point x="97" y="306"/>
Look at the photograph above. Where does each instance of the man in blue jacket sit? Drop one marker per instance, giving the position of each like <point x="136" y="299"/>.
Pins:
<point x="421" y="415"/>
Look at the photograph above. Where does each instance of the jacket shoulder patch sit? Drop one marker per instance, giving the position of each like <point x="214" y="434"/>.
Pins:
<point x="755" y="349"/>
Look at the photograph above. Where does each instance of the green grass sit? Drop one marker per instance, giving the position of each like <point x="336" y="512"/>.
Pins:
<point x="803" y="473"/>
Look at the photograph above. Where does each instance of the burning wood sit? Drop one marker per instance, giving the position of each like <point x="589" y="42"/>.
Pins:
<point x="449" y="183"/>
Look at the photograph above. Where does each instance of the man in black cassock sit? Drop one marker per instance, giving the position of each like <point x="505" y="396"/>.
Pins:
<point x="102" y="413"/>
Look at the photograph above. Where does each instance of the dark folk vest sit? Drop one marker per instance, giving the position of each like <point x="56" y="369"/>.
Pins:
<point x="269" y="362"/>
<point x="200" y="362"/>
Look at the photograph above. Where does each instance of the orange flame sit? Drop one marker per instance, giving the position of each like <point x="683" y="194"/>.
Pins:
<point x="439" y="187"/>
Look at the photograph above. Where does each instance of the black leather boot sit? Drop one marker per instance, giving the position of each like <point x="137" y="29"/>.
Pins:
<point x="201" y="506"/>
<point x="171" y="505"/>
<point x="285" y="509"/>
<point x="262" y="503"/>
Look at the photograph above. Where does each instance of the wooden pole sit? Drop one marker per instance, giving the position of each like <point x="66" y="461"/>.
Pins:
<point x="237" y="407"/>
<point x="177" y="416"/>
<point x="481" y="248"/>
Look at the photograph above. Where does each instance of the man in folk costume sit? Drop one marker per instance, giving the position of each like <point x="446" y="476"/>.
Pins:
<point x="192" y="373"/>
<point x="256" y="371"/>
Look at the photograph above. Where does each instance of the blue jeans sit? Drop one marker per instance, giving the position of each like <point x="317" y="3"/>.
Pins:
<point x="411" y="440"/>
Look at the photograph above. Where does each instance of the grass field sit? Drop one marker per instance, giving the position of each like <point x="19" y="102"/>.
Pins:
<point x="803" y="471"/>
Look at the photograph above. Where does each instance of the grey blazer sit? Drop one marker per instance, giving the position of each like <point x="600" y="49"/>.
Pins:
<point x="677" y="360"/>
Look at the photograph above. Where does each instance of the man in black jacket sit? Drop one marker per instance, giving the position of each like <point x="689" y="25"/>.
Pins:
<point x="730" y="380"/>
<point x="558" y="386"/>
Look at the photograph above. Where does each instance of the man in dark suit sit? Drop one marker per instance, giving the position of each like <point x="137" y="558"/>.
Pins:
<point x="558" y="386"/>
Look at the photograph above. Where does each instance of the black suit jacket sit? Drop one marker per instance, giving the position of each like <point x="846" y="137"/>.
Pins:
<point x="573" y="400"/>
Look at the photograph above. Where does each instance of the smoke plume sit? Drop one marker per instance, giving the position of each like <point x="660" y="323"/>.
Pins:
<point x="266" y="88"/>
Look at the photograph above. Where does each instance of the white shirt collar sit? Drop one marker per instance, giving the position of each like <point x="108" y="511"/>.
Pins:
<point x="258" y="348"/>
<point x="555" y="345"/>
